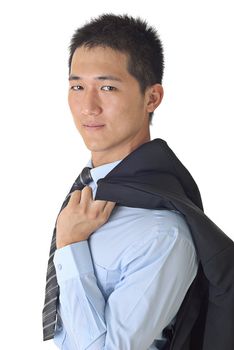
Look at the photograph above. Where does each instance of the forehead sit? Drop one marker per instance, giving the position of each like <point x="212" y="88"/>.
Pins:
<point x="99" y="58"/>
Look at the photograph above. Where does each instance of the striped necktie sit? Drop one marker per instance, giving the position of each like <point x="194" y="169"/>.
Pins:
<point x="49" y="313"/>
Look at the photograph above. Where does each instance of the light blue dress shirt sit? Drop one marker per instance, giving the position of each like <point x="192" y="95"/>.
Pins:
<point x="120" y="288"/>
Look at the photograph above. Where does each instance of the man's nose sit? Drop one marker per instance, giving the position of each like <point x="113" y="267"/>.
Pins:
<point x="90" y="104"/>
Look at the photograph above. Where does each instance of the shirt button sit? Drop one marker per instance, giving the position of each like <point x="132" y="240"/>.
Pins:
<point x="59" y="266"/>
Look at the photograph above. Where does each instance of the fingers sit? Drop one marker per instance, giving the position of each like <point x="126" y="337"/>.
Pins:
<point x="99" y="204"/>
<point x="110" y="205"/>
<point x="84" y="198"/>
<point x="74" y="198"/>
<point x="108" y="208"/>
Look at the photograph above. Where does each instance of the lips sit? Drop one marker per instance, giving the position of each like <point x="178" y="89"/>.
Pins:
<point x="93" y="126"/>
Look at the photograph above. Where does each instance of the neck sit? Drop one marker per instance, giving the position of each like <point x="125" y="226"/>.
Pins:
<point x="112" y="155"/>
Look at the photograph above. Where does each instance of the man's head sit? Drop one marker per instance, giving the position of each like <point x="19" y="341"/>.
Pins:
<point x="130" y="50"/>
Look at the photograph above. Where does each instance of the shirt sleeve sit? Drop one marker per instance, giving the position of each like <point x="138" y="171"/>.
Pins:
<point x="82" y="304"/>
<point x="156" y="275"/>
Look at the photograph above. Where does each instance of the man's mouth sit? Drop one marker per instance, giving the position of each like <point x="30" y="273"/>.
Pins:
<point x="93" y="126"/>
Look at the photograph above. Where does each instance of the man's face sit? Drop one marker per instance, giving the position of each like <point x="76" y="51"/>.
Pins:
<point x="107" y="106"/>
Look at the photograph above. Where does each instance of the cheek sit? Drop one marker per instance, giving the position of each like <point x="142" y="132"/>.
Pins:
<point x="111" y="105"/>
<point x="72" y="103"/>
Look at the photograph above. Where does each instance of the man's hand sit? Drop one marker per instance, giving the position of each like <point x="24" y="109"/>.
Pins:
<point x="81" y="217"/>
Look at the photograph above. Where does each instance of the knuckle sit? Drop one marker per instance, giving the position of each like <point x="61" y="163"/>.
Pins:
<point x="81" y="211"/>
<point x="93" y="214"/>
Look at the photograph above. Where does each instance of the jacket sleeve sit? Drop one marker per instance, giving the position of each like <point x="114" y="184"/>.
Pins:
<point x="154" y="279"/>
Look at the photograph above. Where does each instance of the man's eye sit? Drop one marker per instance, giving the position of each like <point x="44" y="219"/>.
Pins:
<point x="76" y="87"/>
<point x="108" y="88"/>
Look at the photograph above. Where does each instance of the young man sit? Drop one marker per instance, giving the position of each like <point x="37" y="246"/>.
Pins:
<point x="122" y="267"/>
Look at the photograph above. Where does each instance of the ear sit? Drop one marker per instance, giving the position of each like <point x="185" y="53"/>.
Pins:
<point x="154" y="96"/>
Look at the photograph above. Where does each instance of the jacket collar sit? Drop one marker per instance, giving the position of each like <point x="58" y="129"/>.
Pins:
<point x="148" y="160"/>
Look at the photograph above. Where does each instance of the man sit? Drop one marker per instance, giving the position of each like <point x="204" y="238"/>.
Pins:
<point x="123" y="271"/>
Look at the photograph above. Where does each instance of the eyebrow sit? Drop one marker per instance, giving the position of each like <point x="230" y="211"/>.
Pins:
<point x="102" y="77"/>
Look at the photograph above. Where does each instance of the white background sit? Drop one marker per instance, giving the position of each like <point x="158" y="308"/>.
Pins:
<point x="42" y="152"/>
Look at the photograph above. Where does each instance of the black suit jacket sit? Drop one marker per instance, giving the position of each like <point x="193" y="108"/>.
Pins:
<point x="153" y="177"/>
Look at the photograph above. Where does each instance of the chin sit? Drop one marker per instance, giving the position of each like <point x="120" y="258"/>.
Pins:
<point x="95" y="146"/>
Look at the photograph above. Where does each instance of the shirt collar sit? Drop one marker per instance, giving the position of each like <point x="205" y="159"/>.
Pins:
<point x="101" y="171"/>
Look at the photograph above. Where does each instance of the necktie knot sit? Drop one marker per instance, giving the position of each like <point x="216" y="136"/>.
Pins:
<point x="83" y="179"/>
<point x="85" y="176"/>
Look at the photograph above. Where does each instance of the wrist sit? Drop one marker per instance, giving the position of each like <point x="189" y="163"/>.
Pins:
<point x="61" y="244"/>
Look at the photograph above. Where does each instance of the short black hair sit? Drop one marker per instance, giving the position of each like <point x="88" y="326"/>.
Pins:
<point x="132" y="36"/>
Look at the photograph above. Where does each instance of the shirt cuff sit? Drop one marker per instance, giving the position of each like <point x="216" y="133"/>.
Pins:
<point x="73" y="260"/>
